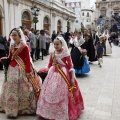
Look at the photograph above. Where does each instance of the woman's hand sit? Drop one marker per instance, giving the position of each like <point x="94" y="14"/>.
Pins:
<point x="28" y="75"/>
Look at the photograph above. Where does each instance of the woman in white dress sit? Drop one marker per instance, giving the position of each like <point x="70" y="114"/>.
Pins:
<point x="107" y="49"/>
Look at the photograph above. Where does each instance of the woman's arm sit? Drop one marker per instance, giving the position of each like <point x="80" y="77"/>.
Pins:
<point x="71" y="69"/>
<point x="50" y="62"/>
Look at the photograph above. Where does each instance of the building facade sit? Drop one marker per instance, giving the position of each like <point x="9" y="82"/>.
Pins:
<point x="53" y="15"/>
<point x="84" y="13"/>
<point x="88" y="16"/>
<point x="75" y="5"/>
<point x="107" y="8"/>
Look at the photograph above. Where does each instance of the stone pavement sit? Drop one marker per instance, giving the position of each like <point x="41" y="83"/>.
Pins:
<point x="100" y="89"/>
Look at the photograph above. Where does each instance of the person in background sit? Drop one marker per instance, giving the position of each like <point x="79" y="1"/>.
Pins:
<point x="99" y="47"/>
<point x="26" y="33"/>
<point x="6" y="45"/>
<point x="79" y="60"/>
<point x="54" y="35"/>
<point x="107" y="47"/>
<point x="62" y="34"/>
<point x="37" y="52"/>
<point x="48" y="40"/>
<point x="33" y="42"/>
<point x="67" y="38"/>
<point x="89" y="46"/>
<point x="3" y="49"/>
<point x="22" y="28"/>
<point x="42" y="42"/>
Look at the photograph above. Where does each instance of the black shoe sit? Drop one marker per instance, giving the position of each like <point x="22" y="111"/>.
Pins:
<point x="100" y="66"/>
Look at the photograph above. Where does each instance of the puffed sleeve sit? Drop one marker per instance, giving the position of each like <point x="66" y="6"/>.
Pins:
<point x="69" y="63"/>
<point x="27" y="60"/>
<point x="50" y="62"/>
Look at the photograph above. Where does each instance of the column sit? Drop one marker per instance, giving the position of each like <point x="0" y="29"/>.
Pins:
<point x="5" y="20"/>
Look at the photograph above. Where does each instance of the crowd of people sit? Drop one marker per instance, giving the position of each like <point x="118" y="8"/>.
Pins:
<point x="59" y="96"/>
<point x="115" y="37"/>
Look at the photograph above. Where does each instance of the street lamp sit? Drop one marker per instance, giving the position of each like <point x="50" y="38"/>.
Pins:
<point x="35" y="12"/>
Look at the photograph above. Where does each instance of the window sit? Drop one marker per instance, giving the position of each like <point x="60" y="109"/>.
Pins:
<point x="88" y="20"/>
<point x="87" y="14"/>
<point x="25" y="16"/>
<point x="76" y="21"/>
<point x="46" y="20"/>
<point x="72" y="4"/>
<point x="103" y="13"/>
<point x="83" y="14"/>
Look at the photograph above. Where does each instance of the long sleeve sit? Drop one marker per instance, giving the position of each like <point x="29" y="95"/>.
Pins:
<point x="27" y="59"/>
<point x="50" y="62"/>
<point x="69" y="63"/>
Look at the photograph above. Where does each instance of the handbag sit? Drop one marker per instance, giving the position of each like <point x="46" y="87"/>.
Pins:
<point x="43" y="73"/>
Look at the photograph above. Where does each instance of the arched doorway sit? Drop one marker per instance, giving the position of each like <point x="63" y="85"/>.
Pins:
<point x="59" y="26"/>
<point x="26" y="20"/>
<point x="103" y="11"/>
<point x="0" y="22"/>
<point x="46" y="23"/>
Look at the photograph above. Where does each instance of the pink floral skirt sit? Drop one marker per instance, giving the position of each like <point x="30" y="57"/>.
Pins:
<point x="18" y="96"/>
<point x="55" y="101"/>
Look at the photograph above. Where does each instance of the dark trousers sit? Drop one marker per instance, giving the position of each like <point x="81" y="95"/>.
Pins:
<point x="47" y="48"/>
<point x="32" y="53"/>
<point x="42" y="53"/>
<point x="37" y="53"/>
<point x="100" y="54"/>
<point x="2" y="54"/>
<point x="1" y="66"/>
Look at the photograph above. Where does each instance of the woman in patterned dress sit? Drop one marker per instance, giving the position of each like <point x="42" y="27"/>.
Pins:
<point x="56" y="101"/>
<point x="18" y="92"/>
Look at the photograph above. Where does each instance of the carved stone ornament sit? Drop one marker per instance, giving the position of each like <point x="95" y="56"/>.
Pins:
<point x="97" y="5"/>
<point x="16" y="2"/>
<point x="54" y="14"/>
<point x="116" y="7"/>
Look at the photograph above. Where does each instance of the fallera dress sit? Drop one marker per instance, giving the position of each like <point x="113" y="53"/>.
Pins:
<point x="55" y="101"/>
<point x="18" y="95"/>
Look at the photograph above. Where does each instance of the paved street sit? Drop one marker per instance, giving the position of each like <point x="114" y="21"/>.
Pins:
<point x="100" y="89"/>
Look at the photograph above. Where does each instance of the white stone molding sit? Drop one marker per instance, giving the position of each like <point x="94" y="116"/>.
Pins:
<point x="53" y="14"/>
<point x="16" y="2"/>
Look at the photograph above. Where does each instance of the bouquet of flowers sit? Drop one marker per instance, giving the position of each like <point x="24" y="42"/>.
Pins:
<point x="83" y="52"/>
<point x="43" y="73"/>
<point x="5" y="61"/>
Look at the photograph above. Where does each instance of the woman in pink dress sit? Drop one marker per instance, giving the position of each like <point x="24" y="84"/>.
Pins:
<point x="58" y="101"/>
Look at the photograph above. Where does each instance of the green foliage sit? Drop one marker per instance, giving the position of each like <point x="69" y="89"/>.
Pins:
<point x="35" y="20"/>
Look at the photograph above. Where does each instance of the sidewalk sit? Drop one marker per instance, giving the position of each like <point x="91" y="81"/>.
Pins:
<point x="100" y="89"/>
